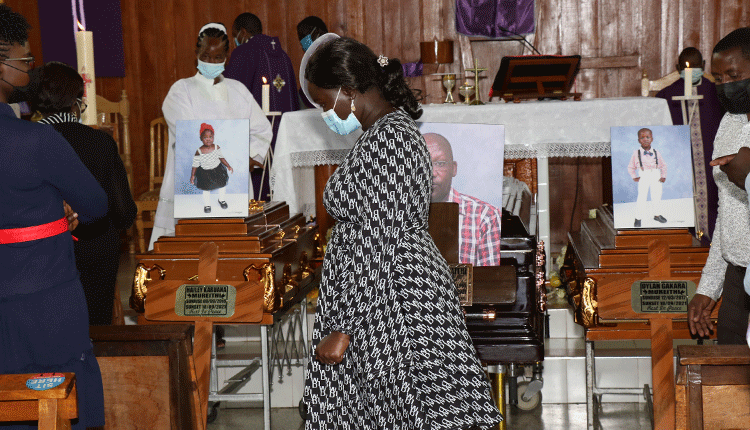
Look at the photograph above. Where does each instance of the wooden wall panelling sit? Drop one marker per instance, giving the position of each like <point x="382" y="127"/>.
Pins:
<point x="670" y="12"/>
<point x="588" y="80"/>
<point x="610" y="44"/>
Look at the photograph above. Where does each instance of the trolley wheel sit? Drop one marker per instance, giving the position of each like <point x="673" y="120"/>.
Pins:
<point x="213" y="413"/>
<point x="528" y="405"/>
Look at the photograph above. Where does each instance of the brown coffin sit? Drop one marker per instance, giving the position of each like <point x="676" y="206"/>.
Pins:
<point x="269" y="249"/>
<point x="601" y="264"/>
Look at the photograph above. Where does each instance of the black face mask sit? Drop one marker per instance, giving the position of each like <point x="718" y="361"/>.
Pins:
<point x="735" y="96"/>
<point x="26" y="92"/>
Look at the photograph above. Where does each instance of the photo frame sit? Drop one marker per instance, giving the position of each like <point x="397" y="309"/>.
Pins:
<point x="199" y="194"/>
<point x="640" y="204"/>
<point x="475" y="181"/>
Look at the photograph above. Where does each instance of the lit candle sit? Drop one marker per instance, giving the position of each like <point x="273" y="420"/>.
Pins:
<point x="688" y="80"/>
<point x="85" y="54"/>
<point x="266" y="102"/>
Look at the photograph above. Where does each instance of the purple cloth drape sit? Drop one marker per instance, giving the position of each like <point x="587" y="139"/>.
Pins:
<point x="412" y="70"/>
<point x="103" y="19"/>
<point x="494" y="18"/>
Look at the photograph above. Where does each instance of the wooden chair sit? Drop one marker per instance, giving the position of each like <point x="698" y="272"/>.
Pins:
<point x="148" y="201"/>
<point x="650" y="88"/>
<point x="117" y="115"/>
<point x="53" y="408"/>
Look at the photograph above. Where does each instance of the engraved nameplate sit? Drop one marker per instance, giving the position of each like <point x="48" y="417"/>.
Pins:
<point x="661" y="296"/>
<point x="194" y="300"/>
<point x="462" y="277"/>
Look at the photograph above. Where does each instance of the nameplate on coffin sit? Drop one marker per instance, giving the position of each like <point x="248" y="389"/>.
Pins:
<point x="661" y="296"/>
<point x="463" y="278"/>
<point x="193" y="300"/>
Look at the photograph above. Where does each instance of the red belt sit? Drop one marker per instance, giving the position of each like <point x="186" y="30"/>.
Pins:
<point x="26" y="234"/>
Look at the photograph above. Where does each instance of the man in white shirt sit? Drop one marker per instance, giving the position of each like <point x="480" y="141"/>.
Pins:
<point x="725" y="269"/>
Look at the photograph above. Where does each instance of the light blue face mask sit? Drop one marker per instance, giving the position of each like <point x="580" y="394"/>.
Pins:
<point x="236" y="42"/>
<point x="696" y="78"/>
<point x="306" y="42"/>
<point x="338" y="125"/>
<point x="210" y="70"/>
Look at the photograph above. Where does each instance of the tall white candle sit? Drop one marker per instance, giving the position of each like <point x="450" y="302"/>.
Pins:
<point x="688" y="80"/>
<point x="266" y="102"/>
<point x="85" y="54"/>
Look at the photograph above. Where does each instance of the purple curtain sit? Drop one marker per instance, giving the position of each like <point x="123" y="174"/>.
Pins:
<point x="103" y="19"/>
<point x="494" y="18"/>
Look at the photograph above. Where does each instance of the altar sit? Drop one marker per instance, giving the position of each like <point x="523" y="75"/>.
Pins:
<point x="533" y="129"/>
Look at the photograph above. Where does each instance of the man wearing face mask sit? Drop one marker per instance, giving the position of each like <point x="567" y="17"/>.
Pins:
<point x="257" y="56"/>
<point x="729" y="256"/>
<point x="709" y="114"/>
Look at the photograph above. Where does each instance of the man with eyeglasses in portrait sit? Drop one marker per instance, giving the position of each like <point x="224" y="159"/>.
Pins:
<point x="478" y="221"/>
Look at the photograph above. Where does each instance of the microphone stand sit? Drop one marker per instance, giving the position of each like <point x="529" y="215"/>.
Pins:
<point x="522" y="38"/>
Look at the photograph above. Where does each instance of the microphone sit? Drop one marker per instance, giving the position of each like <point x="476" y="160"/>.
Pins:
<point x="522" y="38"/>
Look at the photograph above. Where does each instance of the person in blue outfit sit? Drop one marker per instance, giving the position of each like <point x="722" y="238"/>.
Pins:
<point x="257" y="56"/>
<point x="44" y="323"/>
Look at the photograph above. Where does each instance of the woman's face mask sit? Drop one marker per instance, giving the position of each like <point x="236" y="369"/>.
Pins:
<point x="338" y="125"/>
<point x="210" y="70"/>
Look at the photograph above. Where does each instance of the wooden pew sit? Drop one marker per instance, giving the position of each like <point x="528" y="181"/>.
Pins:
<point x="713" y="387"/>
<point x="53" y="408"/>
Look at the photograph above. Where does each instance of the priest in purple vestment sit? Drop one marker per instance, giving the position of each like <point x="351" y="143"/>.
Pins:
<point x="711" y="113"/>
<point x="254" y="57"/>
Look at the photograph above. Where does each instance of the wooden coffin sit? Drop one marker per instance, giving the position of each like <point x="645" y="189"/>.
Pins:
<point x="601" y="266"/>
<point x="266" y="255"/>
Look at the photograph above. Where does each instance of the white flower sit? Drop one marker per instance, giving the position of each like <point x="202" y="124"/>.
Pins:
<point x="382" y="60"/>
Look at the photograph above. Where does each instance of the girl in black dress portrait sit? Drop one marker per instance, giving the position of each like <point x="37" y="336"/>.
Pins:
<point x="210" y="169"/>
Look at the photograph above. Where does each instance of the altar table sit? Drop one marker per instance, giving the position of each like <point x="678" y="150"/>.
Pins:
<point x="533" y="129"/>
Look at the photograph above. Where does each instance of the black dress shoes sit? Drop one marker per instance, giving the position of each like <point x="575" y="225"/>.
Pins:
<point x="660" y="218"/>
<point x="223" y="204"/>
<point x="207" y="209"/>
<point x="637" y="223"/>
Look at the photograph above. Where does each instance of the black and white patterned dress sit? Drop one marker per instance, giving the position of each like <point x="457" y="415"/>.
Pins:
<point x="410" y="363"/>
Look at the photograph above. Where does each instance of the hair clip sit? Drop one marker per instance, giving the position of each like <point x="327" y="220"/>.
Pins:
<point x="382" y="60"/>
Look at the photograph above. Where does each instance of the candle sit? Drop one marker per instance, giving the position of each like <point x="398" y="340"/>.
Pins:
<point x="85" y="55"/>
<point x="688" y="80"/>
<point x="266" y="102"/>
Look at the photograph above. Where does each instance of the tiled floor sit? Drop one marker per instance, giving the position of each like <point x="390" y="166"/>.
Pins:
<point x="618" y="416"/>
<point x="557" y="416"/>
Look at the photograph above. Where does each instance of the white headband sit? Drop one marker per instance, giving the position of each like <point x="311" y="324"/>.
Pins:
<point x="215" y="25"/>
<point x="320" y="41"/>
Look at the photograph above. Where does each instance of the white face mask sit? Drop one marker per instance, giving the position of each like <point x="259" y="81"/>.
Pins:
<point x="210" y="70"/>
<point x="697" y="74"/>
<point x="338" y="125"/>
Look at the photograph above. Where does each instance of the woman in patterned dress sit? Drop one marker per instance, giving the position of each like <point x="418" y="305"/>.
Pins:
<point x="391" y="350"/>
